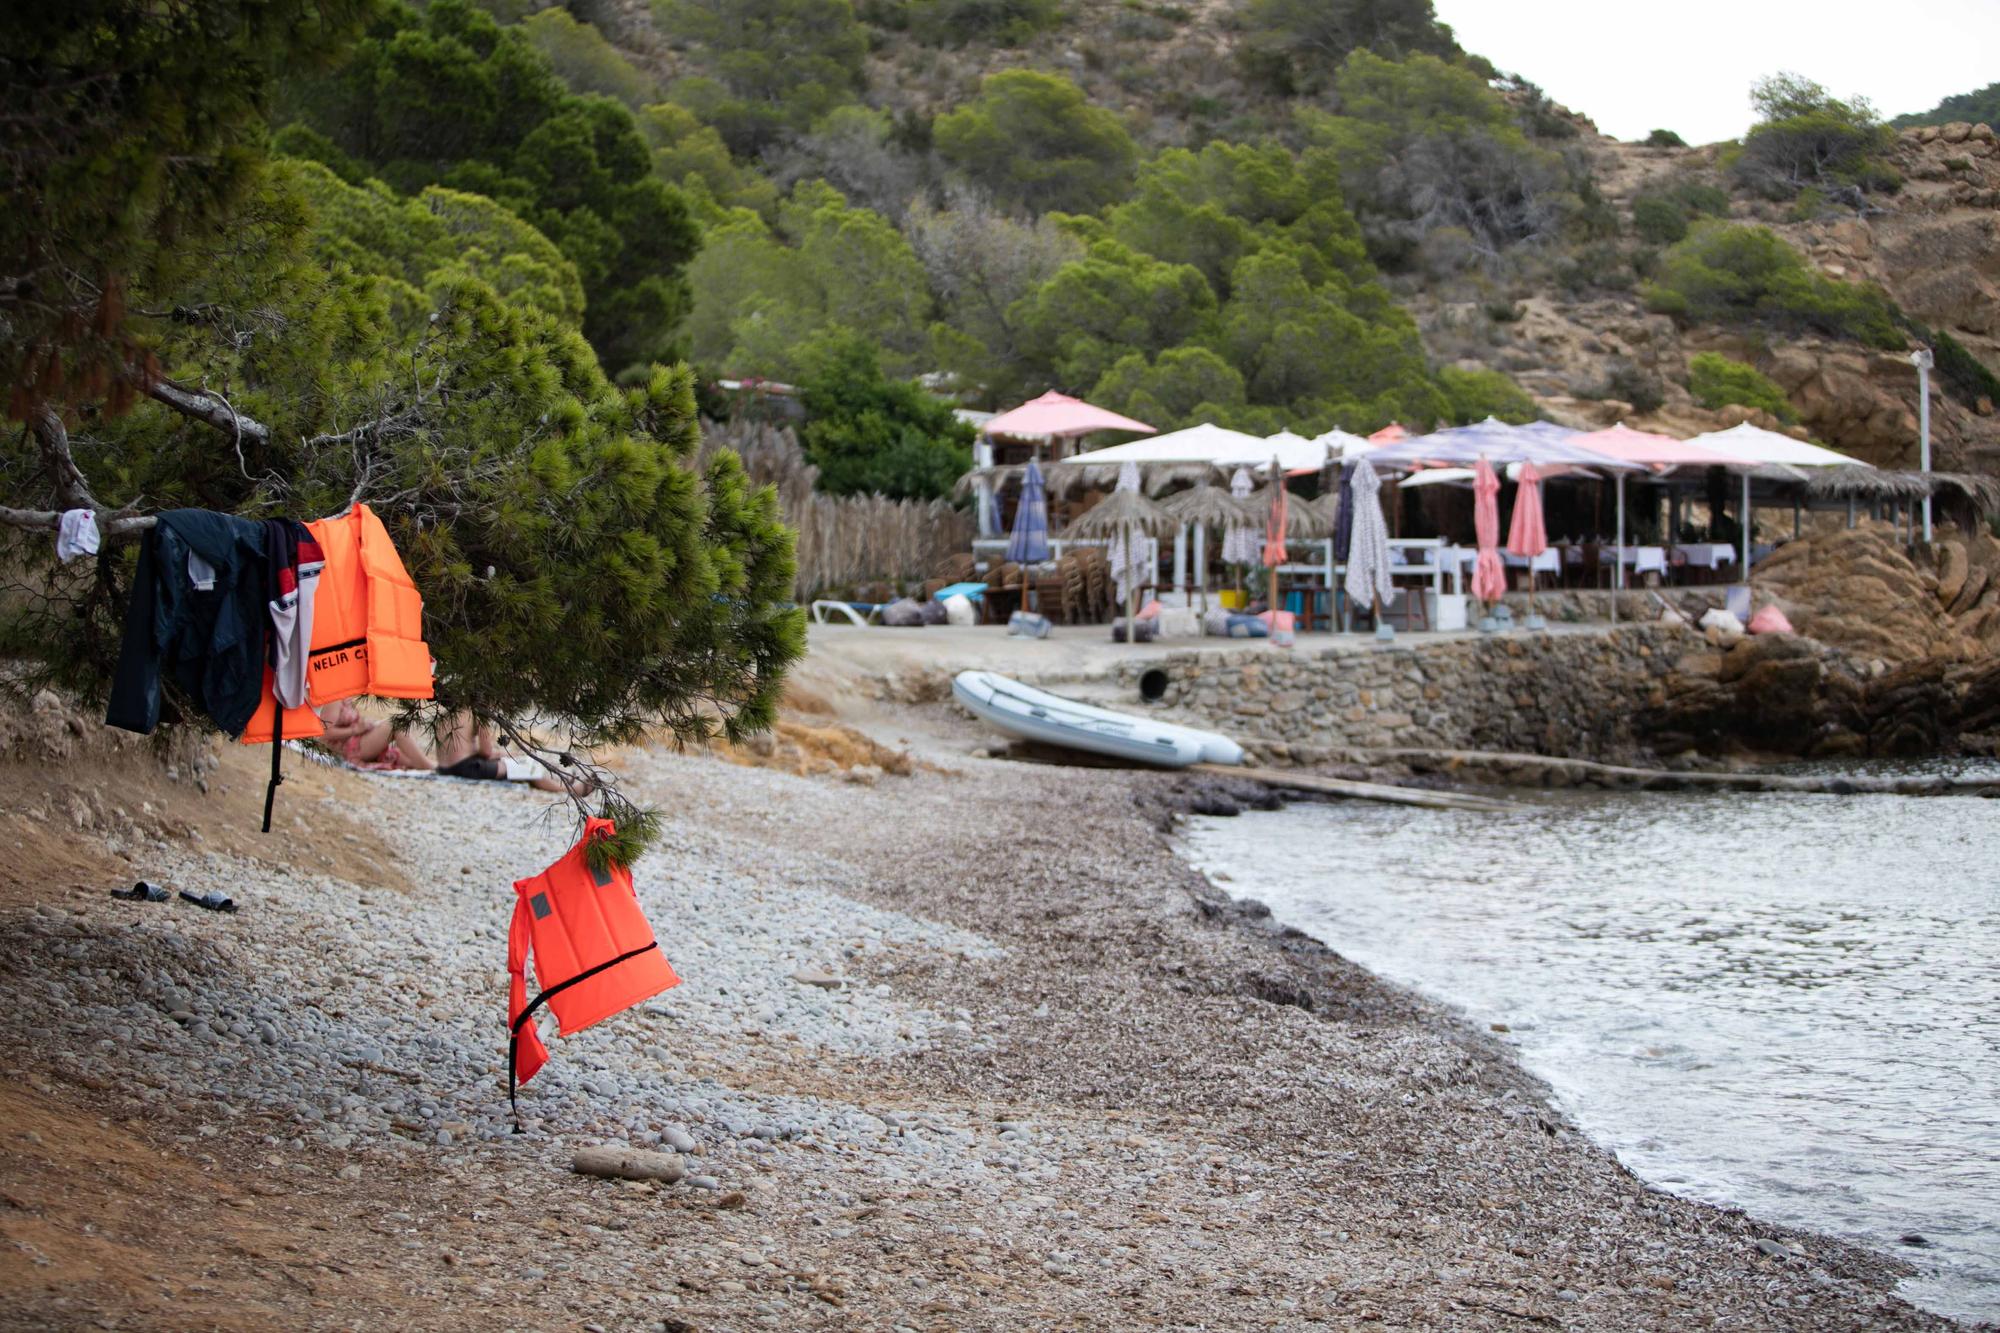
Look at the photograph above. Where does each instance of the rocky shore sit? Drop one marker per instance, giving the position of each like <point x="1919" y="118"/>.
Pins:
<point x="970" y="1048"/>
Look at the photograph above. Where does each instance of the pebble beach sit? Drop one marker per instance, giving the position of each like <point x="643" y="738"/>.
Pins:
<point x="970" y="1048"/>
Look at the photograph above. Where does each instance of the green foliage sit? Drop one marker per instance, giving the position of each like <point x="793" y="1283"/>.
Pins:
<point x="584" y="60"/>
<point x="1113" y="301"/>
<point x="1422" y="144"/>
<point x="576" y="566"/>
<point x="453" y="99"/>
<point x="868" y="434"/>
<point x="763" y="292"/>
<point x="1716" y="381"/>
<point x="1657" y="220"/>
<point x="1981" y="107"/>
<point x="1032" y="140"/>
<point x="980" y="22"/>
<point x="1660" y="216"/>
<point x="1728" y="273"/>
<point x="1807" y="137"/>
<point x="132" y="132"/>
<point x="1183" y="386"/>
<point x="1211" y="208"/>
<point x="692" y="156"/>
<point x="1296" y="45"/>
<point x="1474" y="395"/>
<point x="375" y="232"/>
<point x="763" y="67"/>
<point x="1664" y="139"/>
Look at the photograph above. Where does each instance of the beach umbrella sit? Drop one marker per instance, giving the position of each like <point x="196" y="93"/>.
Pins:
<point x="1526" y="535"/>
<point x="1059" y="416"/>
<point x="1343" y="518"/>
<point x="1279" y="518"/>
<point x="1028" y="543"/>
<point x="1126" y="516"/>
<point x="1368" y="545"/>
<point x="1203" y="507"/>
<point x="1489" y="576"/>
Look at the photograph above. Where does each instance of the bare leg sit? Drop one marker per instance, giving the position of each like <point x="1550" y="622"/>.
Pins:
<point x="411" y="752"/>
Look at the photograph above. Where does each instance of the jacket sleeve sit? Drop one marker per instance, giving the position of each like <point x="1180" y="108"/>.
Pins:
<point x="135" y="686"/>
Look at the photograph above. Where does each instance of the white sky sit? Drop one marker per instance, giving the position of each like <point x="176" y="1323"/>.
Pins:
<point x="1688" y="66"/>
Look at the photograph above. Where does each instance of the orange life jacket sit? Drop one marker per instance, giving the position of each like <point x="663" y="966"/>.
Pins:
<point x="594" y="954"/>
<point x="368" y="628"/>
<point x="367" y="634"/>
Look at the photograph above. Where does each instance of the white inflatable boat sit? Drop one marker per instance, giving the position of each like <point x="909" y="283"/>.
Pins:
<point x="1036" y="715"/>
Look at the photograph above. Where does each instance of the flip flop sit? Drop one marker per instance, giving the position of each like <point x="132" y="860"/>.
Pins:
<point x="142" y="892"/>
<point x="212" y="900"/>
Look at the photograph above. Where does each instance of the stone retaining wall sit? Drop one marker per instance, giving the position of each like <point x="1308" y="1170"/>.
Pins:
<point x="1574" y="694"/>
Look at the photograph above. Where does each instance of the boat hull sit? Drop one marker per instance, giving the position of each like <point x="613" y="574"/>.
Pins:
<point x="1036" y="715"/>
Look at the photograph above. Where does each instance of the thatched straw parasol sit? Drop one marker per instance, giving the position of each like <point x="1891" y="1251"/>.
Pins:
<point x="1119" y="515"/>
<point x="1305" y="520"/>
<point x="1207" y="506"/>
<point x="1866" y="483"/>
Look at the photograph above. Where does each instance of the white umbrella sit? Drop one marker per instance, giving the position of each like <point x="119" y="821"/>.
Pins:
<point x="1368" y="549"/>
<point x="1243" y="545"/>
<point x="1134" y="555"/>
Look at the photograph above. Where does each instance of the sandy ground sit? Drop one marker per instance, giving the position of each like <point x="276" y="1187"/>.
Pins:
<point x="1058" y="1081"/>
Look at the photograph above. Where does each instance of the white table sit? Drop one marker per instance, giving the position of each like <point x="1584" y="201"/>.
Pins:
<point x="1642" y="558"/>
<point x="1709" y="555"/>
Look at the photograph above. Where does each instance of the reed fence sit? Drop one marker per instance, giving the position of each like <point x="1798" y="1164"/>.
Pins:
<point x="842" y="539"/>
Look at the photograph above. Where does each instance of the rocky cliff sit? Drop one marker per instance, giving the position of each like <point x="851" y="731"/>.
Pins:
<point x="1934" y="246"/>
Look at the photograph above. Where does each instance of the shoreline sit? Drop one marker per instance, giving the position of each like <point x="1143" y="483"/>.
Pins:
<point x="1062" y="1080"/>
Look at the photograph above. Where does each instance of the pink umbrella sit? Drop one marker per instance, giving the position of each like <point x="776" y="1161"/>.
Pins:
<point x="1274" y="534"/>
<point x="1390" y="433"/>
<point x="1525" y="534"/>
<point x="1489" y="577"/>
<point x="1058" y="414"/>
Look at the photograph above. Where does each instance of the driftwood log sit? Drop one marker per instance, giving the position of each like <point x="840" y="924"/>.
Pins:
<point x="614" y="1163"/>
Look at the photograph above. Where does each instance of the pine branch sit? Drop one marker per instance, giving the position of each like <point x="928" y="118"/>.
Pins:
<point x="211" y="409"/>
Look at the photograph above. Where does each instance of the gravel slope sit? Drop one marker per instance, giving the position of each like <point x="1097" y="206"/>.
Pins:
<point x="1061" y="1082"/>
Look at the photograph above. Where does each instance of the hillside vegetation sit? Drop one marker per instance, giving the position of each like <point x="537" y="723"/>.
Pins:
<point x="1271" y="214"/>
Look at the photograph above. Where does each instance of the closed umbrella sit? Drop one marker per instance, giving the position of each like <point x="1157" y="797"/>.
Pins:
<point x="1368" y="546"/>
<point x="1242" y="545"/>
<point x="1489" y="576"/>
<point x="1274" y="533"/>
<point x="1343" y="519"/>
<point x="1028" y="543"/>
<point x="1525" y="534"/>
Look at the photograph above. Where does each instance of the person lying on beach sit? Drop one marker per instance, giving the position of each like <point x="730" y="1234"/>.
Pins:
<point x="470" y="750"/>
<point x="370" y="745"/>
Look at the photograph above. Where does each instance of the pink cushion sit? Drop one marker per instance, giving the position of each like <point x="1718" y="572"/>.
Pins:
<point x="1277" y="620"/>
<point x="1151" y="610"/>
<point x="1770" y="620"/>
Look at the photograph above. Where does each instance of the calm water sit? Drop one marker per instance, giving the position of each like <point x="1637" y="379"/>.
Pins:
<point x="1787" y="1003"/>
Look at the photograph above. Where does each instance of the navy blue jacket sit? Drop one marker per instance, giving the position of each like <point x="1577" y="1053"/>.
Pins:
<point x="210" y="643"/>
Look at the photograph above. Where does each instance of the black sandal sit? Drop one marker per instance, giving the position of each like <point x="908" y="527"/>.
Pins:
<point x="212" y="900"/>
<point x="142" y="892"/>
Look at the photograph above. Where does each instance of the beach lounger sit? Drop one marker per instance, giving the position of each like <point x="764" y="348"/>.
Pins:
<point x="859" y="614"/>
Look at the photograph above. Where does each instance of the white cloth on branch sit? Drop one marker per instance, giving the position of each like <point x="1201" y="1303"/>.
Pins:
<point x="76" y="534"/>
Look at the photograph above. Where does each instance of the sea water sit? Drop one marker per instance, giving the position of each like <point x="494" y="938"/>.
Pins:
<point x="1785" y="1003"/>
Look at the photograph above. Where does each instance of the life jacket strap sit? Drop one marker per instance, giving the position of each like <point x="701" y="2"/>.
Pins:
<point x="277" y="759"/>
<point x="514" y="1031"/>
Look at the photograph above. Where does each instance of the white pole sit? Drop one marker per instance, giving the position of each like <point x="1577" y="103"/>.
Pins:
<point x="1618" y="552"/>
<point x="1922" y="358"/>
<point x="1180" y="558"/>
